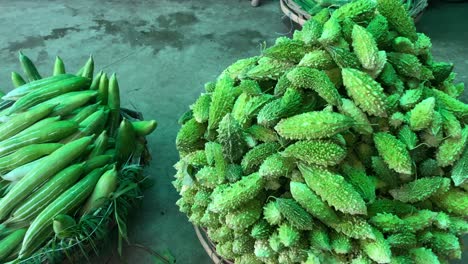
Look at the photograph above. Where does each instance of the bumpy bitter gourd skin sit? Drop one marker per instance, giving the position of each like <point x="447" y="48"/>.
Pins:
<point x="247" y="106"/>
<point x="312" y="203"/>
<point x="310" y="33"/>
<point x="288" y="235"/>
<point x="422" y="114"/>
<point x="378" y="27"/>
<point x="424" y="255"/>
<point x="276" y="166"/>
<point x="402" y="240"/>
<point x="287" y="50"/>
<point x="389" y="223"/>
<point x="237" y="194"/>
<point x="362" y="183"/>
<point x="313" y="125"/>
<point x="407" y="65"/>
<point x="459" y="176"/>
<point x="331" y="31"/>
<point x="272" y="214"/>
<point x="231" y="137"/>
<point x="333" y="189"/>
<point x="306" y="77"/>
<point x="344" y="144"/>
<point x="340" y="243"/>
<point x="239" y="220"/>
<point x="367" y="93"/>
<point x="255" y="157"/>
<point x="261" y="230"/>
<point x="222" y="101"/>
<point x="268" y="69"/>
<point x="378" y="250"/>
<point x="297" y="216"/>
<point x="356" y="10"/>
<point x="319" y="152"/>
<point x="271" y="113"/>
<point x="318" y="59"/>
<point x="201" y="108"/>
<point x="319" y="238"/>
<point x="451" y="149"/>
<point x="454" y="105"/>
<point x="367" y="51"/>
<point x="420" y="189"/>
<point x="362" y="122"/>
<point x="411" y="97"/>
<point x="398" y="18"/>
<point x="453" y="201"/>
<point x="236" y="70"/>
<point x="393" y="152"/>
<point x="189" y="137"/>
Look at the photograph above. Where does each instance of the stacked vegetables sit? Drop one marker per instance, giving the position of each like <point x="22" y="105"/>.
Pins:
<point x="312" y="7"/>
<point x="68" y="161"/>
<point x="344" y="144"/>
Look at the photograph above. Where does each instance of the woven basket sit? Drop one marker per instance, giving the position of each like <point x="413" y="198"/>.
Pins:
<point x="210" y="247"/>
<point x="294" y="12"/>
<point x="300" y="16"/>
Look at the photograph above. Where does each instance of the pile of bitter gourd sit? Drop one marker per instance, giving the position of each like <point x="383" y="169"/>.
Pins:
<point x="312" y="7"/>
<point x="344" y="144"/>
<point x="69" y="162"/>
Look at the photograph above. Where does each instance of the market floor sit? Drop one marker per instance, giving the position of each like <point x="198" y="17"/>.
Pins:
<point x="164" y="51"/>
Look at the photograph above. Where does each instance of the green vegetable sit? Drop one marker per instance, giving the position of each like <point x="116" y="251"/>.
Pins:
<point x="29" y="68"/>
<point x="17" y="80"/>
<point x="313" y="125"/>
<point x="27" y="154"/>
<point x="100" y="145"/>
<point x="71" y="198"/>
<point x="59" y="66"/>
<point x="27" y="210"/>
<point x="339" y="145"/>
<point x="104" y="187"/>
<point x="49" y="133"/>
<point x="297" y="216"/>
<point x="63" y="225"/>
<point x="333" y="189"/>
<point x="24" y="89"/>
<point x="113" y="101"/>
<point x="49" y="91"/>
<point x="125" y="142"/>
<point x="88" y="68"/>
<point x="10" y="243"/>
<point x="20" y="121"/>
<point x="59" y="158"/>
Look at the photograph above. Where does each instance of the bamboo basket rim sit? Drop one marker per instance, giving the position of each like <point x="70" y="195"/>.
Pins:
<point x="294" y="12"/>
<point x="209" y="246"/>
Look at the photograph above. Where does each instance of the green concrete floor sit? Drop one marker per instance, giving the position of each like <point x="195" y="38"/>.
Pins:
<point x="164" y="51"/>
